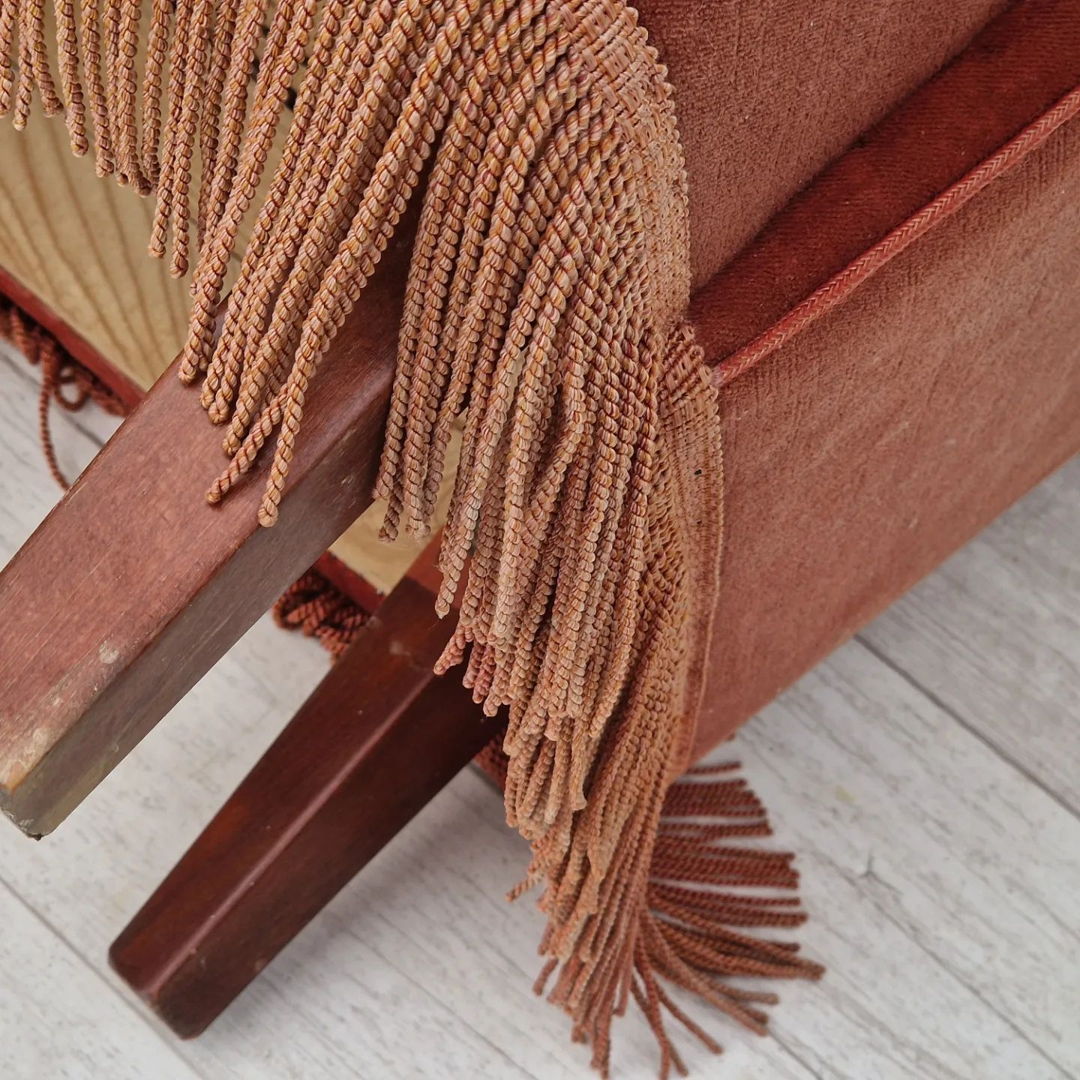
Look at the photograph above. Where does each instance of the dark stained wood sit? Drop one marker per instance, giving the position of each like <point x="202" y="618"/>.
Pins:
<point x="374" y="742"/>
<point x="134" y="586"/>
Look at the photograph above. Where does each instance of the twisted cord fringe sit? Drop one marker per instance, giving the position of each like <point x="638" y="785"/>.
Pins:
<point x="707" y="889"/>
<point x="544" y="305"/>
<point x="317" y="608"/>
<point x="64" y="381"/>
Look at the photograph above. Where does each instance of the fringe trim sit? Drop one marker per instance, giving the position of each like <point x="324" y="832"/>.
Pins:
<point x="694" y="932"/>
<point x="64" y="381"/>
<point x="701" y="898"/>
<point x="548" y="280"/>
<point x="319" y="609"/>
<point x="707" y="887"/>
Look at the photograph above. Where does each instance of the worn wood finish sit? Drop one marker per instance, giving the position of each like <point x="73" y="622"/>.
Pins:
<point x="73" y="254"/>
<point x="163" y="583"/>
<point x="378" y="738"/>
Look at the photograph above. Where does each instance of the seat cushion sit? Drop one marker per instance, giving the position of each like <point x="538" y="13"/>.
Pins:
<point x="769" y="91"/>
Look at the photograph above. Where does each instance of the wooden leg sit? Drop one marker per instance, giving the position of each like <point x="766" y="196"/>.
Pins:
<point x="374" y="742"/>
<point x="134" y="587"/>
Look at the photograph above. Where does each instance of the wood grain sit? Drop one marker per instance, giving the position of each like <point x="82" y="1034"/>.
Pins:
<point x="950" y="866"/>
<point x="79" y="245"/>
<point x="93" y="1039"/>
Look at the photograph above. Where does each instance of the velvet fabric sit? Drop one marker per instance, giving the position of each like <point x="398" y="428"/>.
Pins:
<point x="769" y="91"/>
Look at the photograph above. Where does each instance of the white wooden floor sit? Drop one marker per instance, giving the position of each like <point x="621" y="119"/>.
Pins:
<point x="928" y="773"/>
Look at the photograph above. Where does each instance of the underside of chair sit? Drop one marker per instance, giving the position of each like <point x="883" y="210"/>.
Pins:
<point x="884" y="208"/>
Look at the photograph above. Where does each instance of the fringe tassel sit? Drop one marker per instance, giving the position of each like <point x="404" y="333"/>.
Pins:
<point x="64" y="381"/>
<point x="706" y="889"/>
<point x="693" y="933"/>
<point x="549" y="277"/>
<point x="317" y="608"/>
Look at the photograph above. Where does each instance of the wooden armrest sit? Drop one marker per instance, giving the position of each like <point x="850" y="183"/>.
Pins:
<point x="134" y="586"/>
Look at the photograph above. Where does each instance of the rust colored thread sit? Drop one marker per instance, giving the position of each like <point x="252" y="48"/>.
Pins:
<point x="226" y="15"/>
<point x="125" y="95"/>
<point x="92" y="72"/>
<point x="157" y="45"/>
<point x="195" y="65"/>
<point x="68" y="51"/>
<point x="543" y="319"/>
<point x="318" y="609"/>
<point x="24" y="87"/>
<point x="64" y="381"/>
<point x="34" y="61"/>
<point x="8" y="21"/>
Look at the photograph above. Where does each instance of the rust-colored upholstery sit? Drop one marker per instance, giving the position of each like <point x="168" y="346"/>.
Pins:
<point x="867" y="447"/>
<point x="880" y="440"/>
<point x="769" y="91"/>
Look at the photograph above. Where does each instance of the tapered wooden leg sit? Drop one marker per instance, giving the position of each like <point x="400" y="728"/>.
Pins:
<point x="134" y="587"/>
<point x="375" y="741"/>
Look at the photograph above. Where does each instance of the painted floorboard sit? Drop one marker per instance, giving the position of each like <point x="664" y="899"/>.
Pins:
<point x="60" y="1019"/>
<point x="994" y="634"/>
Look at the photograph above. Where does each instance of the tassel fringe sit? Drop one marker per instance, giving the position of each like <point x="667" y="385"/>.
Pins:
<point x="64" y="381"/>
<point x="693" y="933"/>
<point x="544" y="304"/>
<point x="707" y="890"/>
<point x="318" y="609"/>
